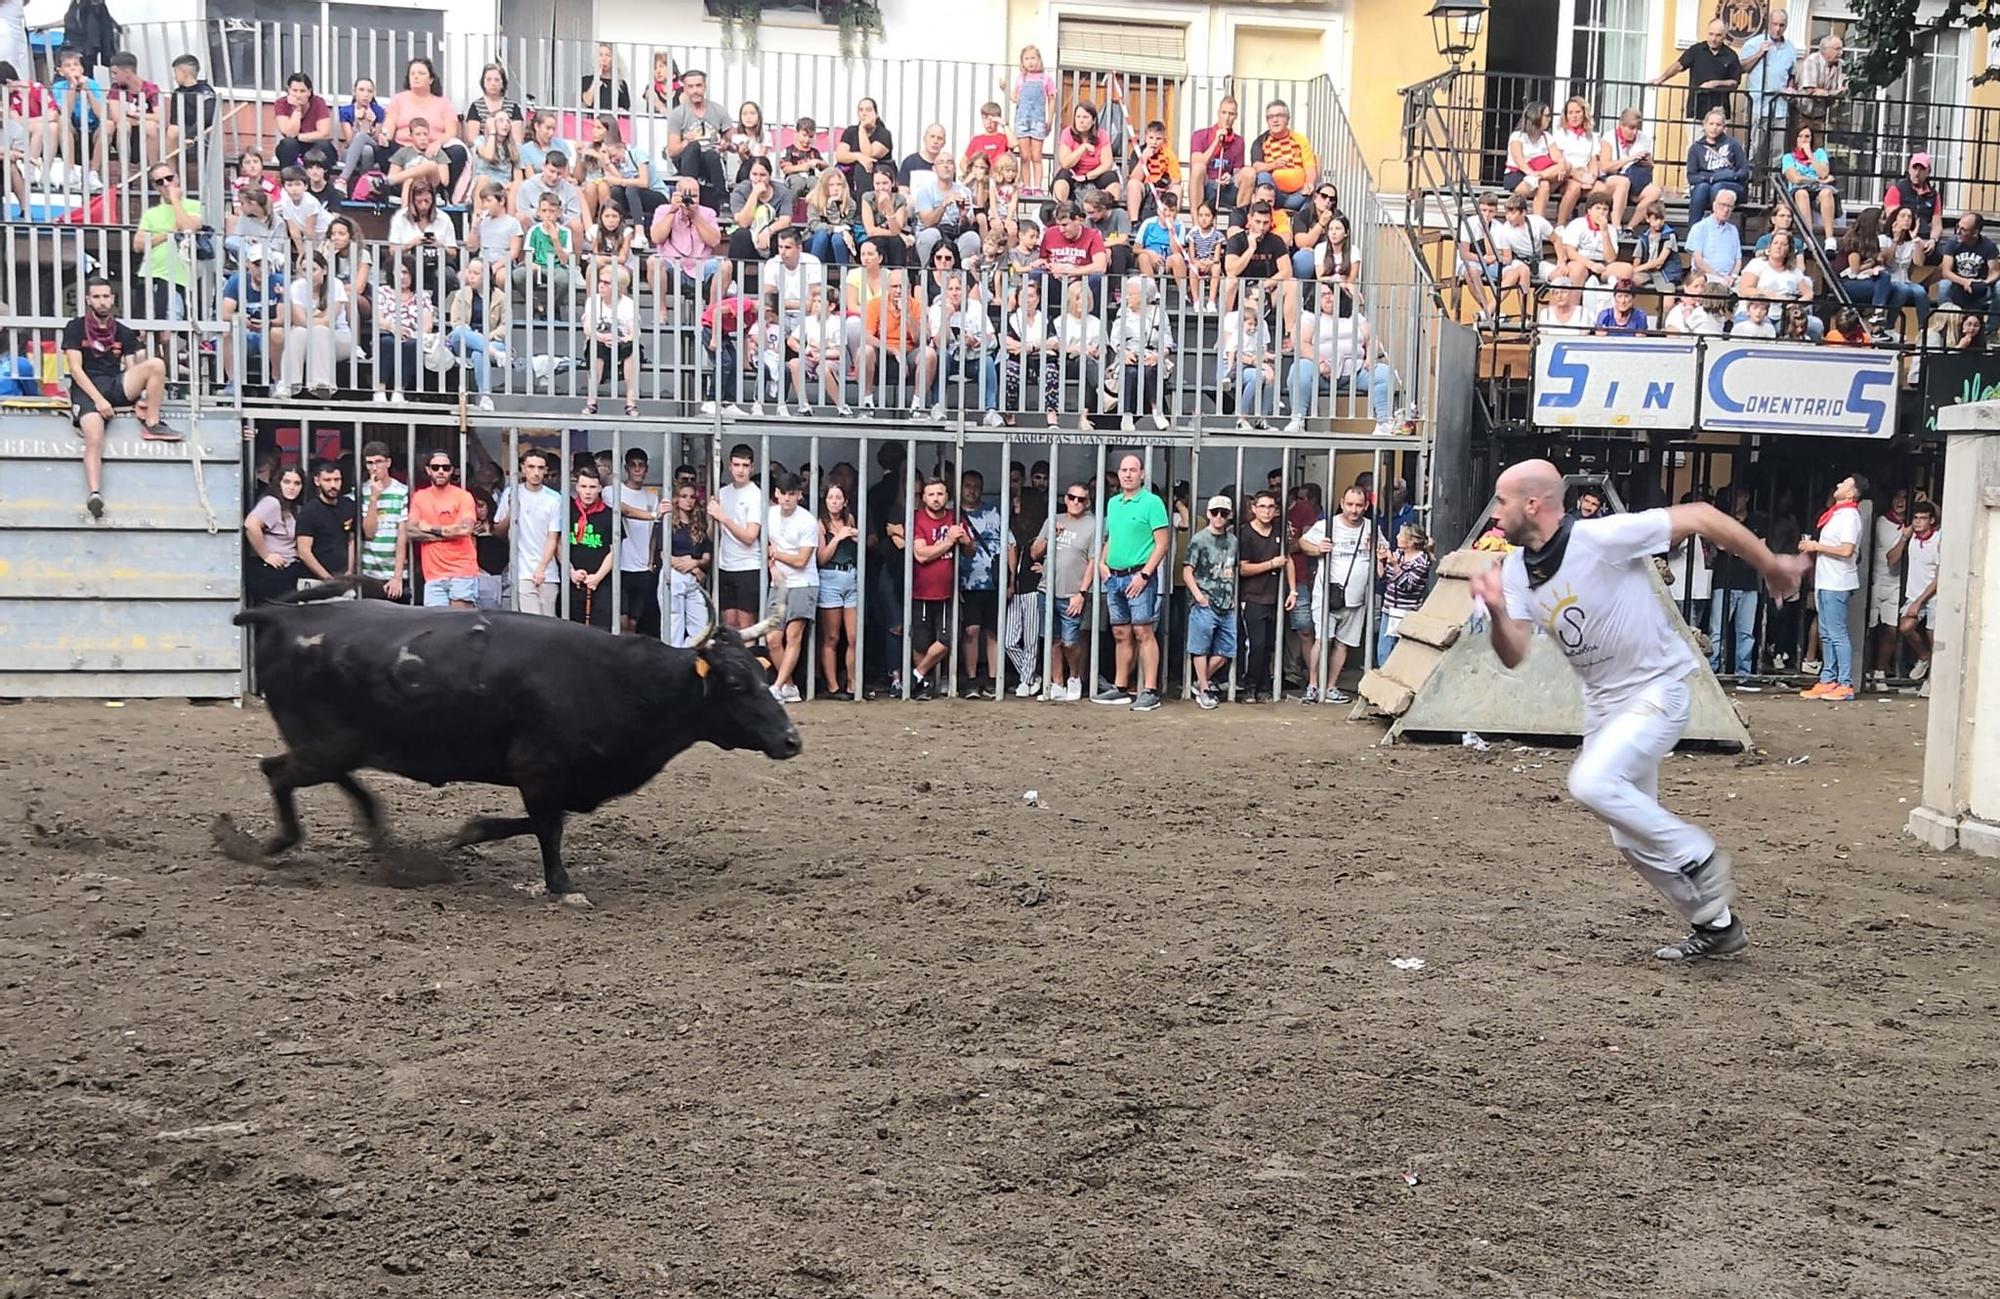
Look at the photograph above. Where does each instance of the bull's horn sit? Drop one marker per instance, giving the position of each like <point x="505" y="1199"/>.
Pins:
<point x="756" y="630"/>
<point x="707" y="633"/>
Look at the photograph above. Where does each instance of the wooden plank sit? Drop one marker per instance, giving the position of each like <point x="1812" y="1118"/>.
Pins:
<point x="1464" y="563"/>
<point x="118" y="636"/>
<point x="148" y="495"/>
<point x="120" y="685"/>
<point x="1430" y="627"/>
<point x="1387" y="695"/>
<point x="43" y="435"/>
<point x="83" y="566"/>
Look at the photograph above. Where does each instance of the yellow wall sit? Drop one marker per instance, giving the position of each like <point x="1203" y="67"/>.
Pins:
<point x="1275" y="54"/>
<point x="1392" y="48"/>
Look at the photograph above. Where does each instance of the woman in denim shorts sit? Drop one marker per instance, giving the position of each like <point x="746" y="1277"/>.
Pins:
<point x="839" y="590"/>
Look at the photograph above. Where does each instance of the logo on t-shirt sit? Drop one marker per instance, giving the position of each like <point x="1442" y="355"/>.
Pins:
<point x="1566" y="621"/>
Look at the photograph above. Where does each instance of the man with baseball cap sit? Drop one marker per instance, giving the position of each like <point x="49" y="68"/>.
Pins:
<point x="1916" y="190"/>
<point x="1209" y="572"/>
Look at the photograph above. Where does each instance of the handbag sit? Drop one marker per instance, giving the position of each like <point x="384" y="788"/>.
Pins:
<point x="438" y="357"/>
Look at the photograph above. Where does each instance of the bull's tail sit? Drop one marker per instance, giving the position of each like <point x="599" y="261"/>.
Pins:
<point x="351" y="586"/>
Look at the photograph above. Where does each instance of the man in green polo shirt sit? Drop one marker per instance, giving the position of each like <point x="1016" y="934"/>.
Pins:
<point x="1136" y="539"/>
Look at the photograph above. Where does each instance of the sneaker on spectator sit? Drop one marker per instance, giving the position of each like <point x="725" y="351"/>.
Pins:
<point x="992" y="419"/>
<point x="95" y="504"/>
<point x="733" y="410"/>
<point x="1243" y="423"/>
<point x="281" y="391"/>
<point x="1127" y="424"/>
<point x="757" y="409"/>
<point x="1311" y="696"/>
<point x="1920" y="670"/>
<point x="1112" y="695"/>
<point x="1147" y="701"/>
<point x="1385" y="428"/>
<point x="1816" y="690"/>
<point x="868" y="401"/>
<point x="1027" y="690"/>
<point x="1839" y="694"/>
<point x="789" y="695"/>
<point x="708" y="408"/>
<point x="920" y="687"/>
<point x="1337" y="696"/>
<point x="485" y="402"/>
<point x="1296" y="424"/>
<point x="1073" y="692"/>
<point x="1160" y="420"/>
<point x="938" y="412"/>
<point x="846" y="411"/>
<point x="1809" y="665"/>
<point x="381" y="397"/>
<point x="1206" y="699"/>
<point x="1878" y="680"/>
<point x="1924" y="690"/>
<point x="776" y="693"/>
<point x="1780" y="661"/>
<point x="804" y="410"/>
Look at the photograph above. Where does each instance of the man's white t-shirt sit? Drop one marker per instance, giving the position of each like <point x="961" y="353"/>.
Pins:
<point x="1881" y="573"/>
<point x="1603" y="610"/>
<point x="540" y="514"/>
<point x="790" y="532"/>
<point x="1599" y="244"/>
<point x="1525" y="240"/>
<point x="1921" y="556"/>
<point x="1830" y="572"/>
<point x="743" y="506"/>
<point x="1351" y="561"/>
<point x="635" y="549"/>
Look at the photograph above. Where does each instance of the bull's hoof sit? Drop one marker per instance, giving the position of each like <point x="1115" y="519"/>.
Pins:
<point x="235" y="844"/>
<point x="574" y="901"/>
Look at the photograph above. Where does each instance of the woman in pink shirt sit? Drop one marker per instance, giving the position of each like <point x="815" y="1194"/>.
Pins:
<point x="1083" y="157"/>
<point x="422" y="96"/>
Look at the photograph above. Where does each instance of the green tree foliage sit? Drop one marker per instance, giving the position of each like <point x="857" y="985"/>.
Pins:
<point x="1889" y="29"/>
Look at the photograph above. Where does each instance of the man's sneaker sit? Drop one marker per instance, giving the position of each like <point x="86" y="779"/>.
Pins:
<point x="1296" y="424"/>
<point x="1027" y="689"/>
<point x="1127" y="424"/>
<point x="1337" y="697"/>
<point x="1146" y="702"/>
<point x="1112" y="695"/>
<point x="777" y="693"/>
<point x="992" y="419"/>
<point x="1921" y="670"/>
<point x="1206" y="699"/>
<point x="868" y="401"/>
<point x="1809" y="665"/>
<point x="1161" y="421"/>
<point x="938" y="412"/>
<point x="1924" y="690"/>
<point x="708" y="408"/>
<point x="1714" y="886"/>
<point x="95" y="504"/>
<point x="1816" y="690"/>
<point x="1781" y="661"/>
<point x="1311" y="695"/>
<point x="789" y="694"/>
<point x="1703" y="941"/>
<point x="920" y="687"/>
<point x="1073" y="692"/>
<point x="1838" y="694"/>
<point x="757" y="409"/>
<point x="485" y="403"/>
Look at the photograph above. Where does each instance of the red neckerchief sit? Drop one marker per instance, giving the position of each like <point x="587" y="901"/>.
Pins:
<point x="577" y="530"/>
<point x="1893" y="517"/>
<point x="1924" y="536"/>
<point x="1591" y="225"/>
<point x="1624" y="139"/>
<point x="1838" y="506"/>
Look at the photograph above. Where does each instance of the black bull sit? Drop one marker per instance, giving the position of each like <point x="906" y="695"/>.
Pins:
<point x="563" y="713"/>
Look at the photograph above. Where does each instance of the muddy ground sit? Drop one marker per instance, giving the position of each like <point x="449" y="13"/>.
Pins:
<point x="867" y="1025"/>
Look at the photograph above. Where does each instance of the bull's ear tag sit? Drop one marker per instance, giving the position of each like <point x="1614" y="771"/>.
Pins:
<point x="700" y="666"/>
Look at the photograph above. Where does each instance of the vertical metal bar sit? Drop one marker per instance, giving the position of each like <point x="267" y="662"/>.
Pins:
<point x="1100" y="557"/>
<point x="997" y="634"/>
<point x="909" y="555"/>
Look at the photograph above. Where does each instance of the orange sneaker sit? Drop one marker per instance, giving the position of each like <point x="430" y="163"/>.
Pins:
<point x="1817" y="690"/>
<point x="1839" y="694"/>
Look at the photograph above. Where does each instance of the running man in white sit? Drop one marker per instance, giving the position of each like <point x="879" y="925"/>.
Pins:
<point x="1588" y="583"/>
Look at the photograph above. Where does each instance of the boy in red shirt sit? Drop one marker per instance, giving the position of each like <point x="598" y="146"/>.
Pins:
<point x="934" y="536"/>
<point x="991" y="142"/>
<point x="442" y="517"/>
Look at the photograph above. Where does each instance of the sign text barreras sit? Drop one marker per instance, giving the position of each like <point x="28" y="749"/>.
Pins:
<point x="1715" y="384"/>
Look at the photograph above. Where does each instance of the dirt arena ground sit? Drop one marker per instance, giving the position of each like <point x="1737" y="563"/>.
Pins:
<point x="867" y="1025"/>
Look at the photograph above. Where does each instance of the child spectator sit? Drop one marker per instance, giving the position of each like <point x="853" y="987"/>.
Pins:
<point x="477" y="323"/>
<point x="1033" y="94"/>
<point x="79" y="102"/>
<point x="250" y="174"/>
<point x="423" y="158"/>
<point x="134" y="105"/>
<point x="1204" y="257"/>
<point x="496" y="156"/>
<point x="802" y="164"/>
<point x="191" y="107"/>
<point x="817" y="348"/>
<point x="364" y="138"/>
<point x="251" y="223"/>
<point x="833" y="220"/>
<point x="256" y="295"/>
<point x="1656" y="249"/>
<point x="1162" y="240"/>
<point x="1003" y="206"/>
<point x="403" y="319"/>
<point x="551" y="262"/>
<point x="304" y="217"/>
<point x="1755" y="322"/>
<point x="496" y="237"/>
<point x="1155" y="171"/>
<point x="991" y="141"/>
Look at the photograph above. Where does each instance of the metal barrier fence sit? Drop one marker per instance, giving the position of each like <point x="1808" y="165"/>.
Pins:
<point x="1868" y="136"/>
<point x="1024" y="482"/>
<point x="796" y="339"/>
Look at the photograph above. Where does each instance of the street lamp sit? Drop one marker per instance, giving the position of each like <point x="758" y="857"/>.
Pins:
<point x="1455" y="27"/>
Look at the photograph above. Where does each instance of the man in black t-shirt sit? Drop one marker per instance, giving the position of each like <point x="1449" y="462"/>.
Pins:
<point x="107" y="372"/>
<point x="327" y="524"/>
<point x="1970" y="263"/>
<point x="1263" y="590"/>
<point x="1713" y="71"/>
<point x="1254" y="253"/>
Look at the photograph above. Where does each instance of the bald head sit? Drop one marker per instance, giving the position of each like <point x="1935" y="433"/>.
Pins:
<point x="1528" y="502"/>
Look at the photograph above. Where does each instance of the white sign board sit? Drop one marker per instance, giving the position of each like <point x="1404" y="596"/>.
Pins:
<point x="1641" y="383"/>
<point x="1761" y="387"/>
